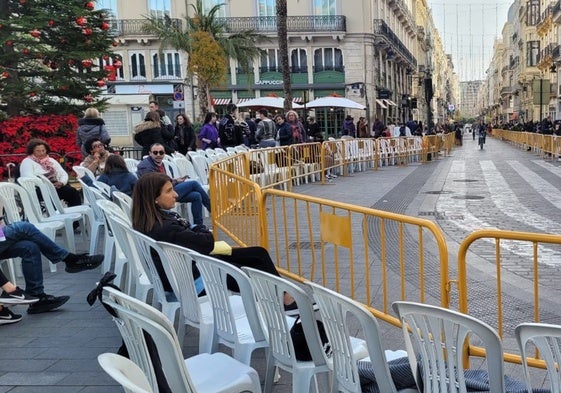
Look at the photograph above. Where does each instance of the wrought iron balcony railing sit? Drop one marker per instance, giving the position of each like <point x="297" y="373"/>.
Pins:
<point x="382" y="29"/>
<point x="268" y="24"/>
<point x="127" y="27"/>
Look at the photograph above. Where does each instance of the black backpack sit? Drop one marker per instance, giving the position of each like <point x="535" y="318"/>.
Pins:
<point x="227" y="129"/>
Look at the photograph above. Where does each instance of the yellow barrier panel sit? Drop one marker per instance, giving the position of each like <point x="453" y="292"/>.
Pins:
<point x="494" y="242"/>
<point x="235" y="200"/>
<point x="375" y="257"/>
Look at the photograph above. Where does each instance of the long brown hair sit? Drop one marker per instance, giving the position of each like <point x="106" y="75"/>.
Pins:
<point x="145" y="213"/>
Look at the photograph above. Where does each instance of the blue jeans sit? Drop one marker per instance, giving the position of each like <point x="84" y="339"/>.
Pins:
<point x="192" y="191"/>
<point x="26" y="242"/>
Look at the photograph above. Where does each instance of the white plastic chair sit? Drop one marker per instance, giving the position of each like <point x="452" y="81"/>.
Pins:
<point x="216" y="372"/>
<point x="145" y="247"/>
<point x="438" y="336"/>
<point x="34" y="184"/>
<point x="82" y="171"/>
<point x="137" y="282"/>
<point x="338" y="314"/>
<point x="269" y="291"/>
<point x="91" y="194"/>
<point x="125" y="372"/>
<point x="132" y="164"/>
<point x="243" y="334"/>
<point x="196" y="310"/>
<point x="84" y="210"/>
<point x="124" y="201"/>
<point x="547" y="339"/>
<point x="186" y="168"/>
<point x="103" y="187"/>
<point x="201" y="167"/>
<point x="113" y="251"/>
<point x="11" y="195"/>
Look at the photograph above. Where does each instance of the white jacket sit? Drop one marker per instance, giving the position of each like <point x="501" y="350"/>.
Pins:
<point x="30" y="168"/>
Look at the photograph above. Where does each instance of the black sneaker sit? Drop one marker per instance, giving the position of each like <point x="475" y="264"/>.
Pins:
<point x="7" y="317"/>
<point x="84" y="262"/>
<point x="47" y="303"/>
<point x="17" y="297"/>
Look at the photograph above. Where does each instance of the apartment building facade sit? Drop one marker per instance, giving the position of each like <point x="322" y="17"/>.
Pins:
<point x="371" y="51"/>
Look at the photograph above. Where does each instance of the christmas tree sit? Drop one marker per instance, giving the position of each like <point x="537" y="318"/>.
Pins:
<point x="55" y="56"/>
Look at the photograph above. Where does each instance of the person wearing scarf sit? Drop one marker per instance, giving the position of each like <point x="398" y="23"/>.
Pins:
<point x="38" y="162"/>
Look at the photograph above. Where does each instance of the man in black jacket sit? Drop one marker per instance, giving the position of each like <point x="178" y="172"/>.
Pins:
<point x="229" y="131"/>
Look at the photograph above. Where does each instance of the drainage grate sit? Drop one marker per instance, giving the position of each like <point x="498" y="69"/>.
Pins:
<point x="468" y="197"/>
<point x="438" y="192"/>
<point x="305" y="245"/>
<point x="466" y="180"/>
<point x="437" y="215"/>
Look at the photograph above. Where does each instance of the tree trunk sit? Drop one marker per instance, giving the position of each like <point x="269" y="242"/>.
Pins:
<point x="283" y="50"/>
<point x="203" y="97"/>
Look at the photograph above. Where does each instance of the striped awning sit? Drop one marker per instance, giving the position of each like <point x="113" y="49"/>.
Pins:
<point x="381" y="104"/>
<point x="389" y="102"/>
<point x="240" y="100"/>
<point x="221" y="101"/>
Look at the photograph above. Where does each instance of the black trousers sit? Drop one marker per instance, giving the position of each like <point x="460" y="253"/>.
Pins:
<point x="70" y="195"/>
<point x="254" y="257"/>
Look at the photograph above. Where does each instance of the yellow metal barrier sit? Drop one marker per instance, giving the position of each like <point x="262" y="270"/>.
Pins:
<point x="494" y="241"/>
<point x="373" y="256"/>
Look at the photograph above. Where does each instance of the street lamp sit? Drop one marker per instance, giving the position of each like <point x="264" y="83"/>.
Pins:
<point x="425" y="75"/>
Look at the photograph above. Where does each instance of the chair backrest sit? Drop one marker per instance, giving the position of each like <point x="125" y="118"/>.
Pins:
<point x="124" y="201"/>
<point x="201" y="167"/>
<point x="91" y="195"/>
<point x="103" y="187"/>
<point x="126" y="372"/>
<point x="110" y="208"/>
<point x="131" y="164"/>
<point x="336" y="311"/>
<point x="136" y="269"/>
<point x="186" y="168"/>
<point x="215" y="275"/>
<point x="547" y="339"/>
<point x="83" y="171"/>
<point x="34" y="187"/>
<point x="12" y="195"/>
<point x="147" y="247"/>
<point x="171" y="169"/>
<point x="134" y="317"/>
<point x="437" y="335"/>
<point x="269" y="291"/>
<point x="54" y="198"/>
<point x="179" y="271"/>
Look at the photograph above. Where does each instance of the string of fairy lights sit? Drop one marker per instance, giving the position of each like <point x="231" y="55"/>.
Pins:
<point x="469" y="31"/>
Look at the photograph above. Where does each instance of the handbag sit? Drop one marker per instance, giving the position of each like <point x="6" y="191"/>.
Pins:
<point x="301" y="349"/>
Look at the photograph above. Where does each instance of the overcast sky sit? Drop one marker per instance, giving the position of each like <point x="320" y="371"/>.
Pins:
<point x="468" y="29"/>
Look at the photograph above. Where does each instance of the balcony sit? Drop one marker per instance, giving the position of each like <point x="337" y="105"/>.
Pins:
<point x="506" y="91"/>
<point x="295" y="24"/>
<point x="556" y="12"/>
<point x="384" y="36"/>
<point x="133" y="27"/>
<point x="545" y="22"/>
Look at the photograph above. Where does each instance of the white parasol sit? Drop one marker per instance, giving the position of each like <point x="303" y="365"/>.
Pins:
<point x="269" y="102"/>
<point x="334" y="101"/>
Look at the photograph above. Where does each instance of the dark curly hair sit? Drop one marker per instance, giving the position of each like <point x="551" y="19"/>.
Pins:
<point x="33" y="143"/>
<point x="88" y="144"/>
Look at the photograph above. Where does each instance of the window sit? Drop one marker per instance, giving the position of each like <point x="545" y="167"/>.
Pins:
<point x="532" y="53"/>
<point x="325" y="7"/>
<point x="266" y="8"/>
<point x="299" y="61"/>
<point x="138" y="66"/>
<point x="533" y="12"/>
<point x="166" y="66"/>
<point x="159" y="8"/>
<point x="328" y="59"/>
<point x="208" y="4"/>
<point x="269" y="60"/>
<point x="108" y="5"/>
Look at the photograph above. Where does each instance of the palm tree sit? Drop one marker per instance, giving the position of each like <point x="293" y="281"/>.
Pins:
<point x="241" y="46"/>
<point x="283" y="49"/>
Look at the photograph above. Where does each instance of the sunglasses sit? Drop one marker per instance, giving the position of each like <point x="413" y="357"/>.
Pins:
<point x="97" y="145"/>
<point x="158" y="153"/>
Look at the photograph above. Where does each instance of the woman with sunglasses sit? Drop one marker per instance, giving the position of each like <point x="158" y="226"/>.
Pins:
<point x="97" y="156"/>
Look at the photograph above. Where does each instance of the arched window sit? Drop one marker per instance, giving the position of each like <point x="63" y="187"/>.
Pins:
<point x="326" y="59"/>
<point x="159" y="8"/>
<point x="166" y="65"/>
<point x="299" y="61"/>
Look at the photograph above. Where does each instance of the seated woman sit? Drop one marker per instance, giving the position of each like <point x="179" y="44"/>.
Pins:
<point x="38" y="162"/>
<point x="97" y="155"/>
<point x="152" y="199"/>
<point x="116" y="174"/>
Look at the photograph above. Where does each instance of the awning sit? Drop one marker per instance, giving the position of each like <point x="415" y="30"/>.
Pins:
<point x="221" y="101"/>
<point x="389" y="102"/>
<point x="242" y="100"/>
<point x="381" y="104"/>
<point x="297" y="100"/>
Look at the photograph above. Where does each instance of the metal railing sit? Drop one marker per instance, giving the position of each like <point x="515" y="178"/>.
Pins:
<point x="127" y="27"/>
<point x="268" y="24"/>
<point x="382" y="29"/>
